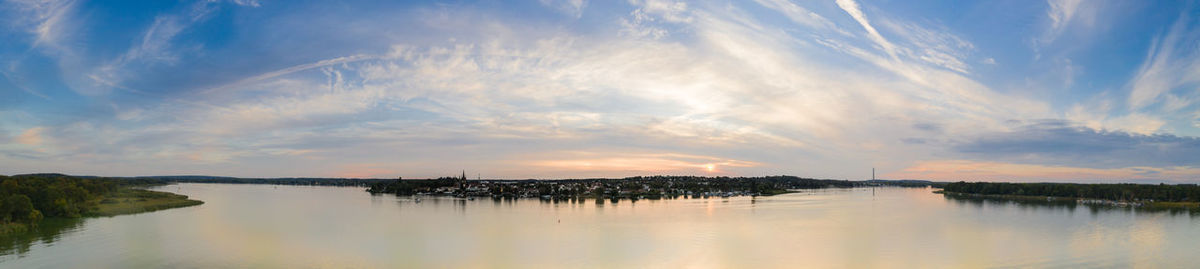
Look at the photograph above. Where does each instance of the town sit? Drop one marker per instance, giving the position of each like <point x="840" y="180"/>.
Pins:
<point x="633" y="188"/>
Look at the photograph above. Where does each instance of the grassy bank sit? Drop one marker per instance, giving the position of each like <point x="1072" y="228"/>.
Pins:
<point x="1008" y="196"/>
<point x="13" y="228"/>
<point x="1173" y="205"/>
<point x="119" y="202"/>
<point x="133" y="201"/>
<point x="25" y="200"/>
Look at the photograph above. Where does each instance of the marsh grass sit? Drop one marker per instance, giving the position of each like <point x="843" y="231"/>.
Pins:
<point x="133" y="201"/>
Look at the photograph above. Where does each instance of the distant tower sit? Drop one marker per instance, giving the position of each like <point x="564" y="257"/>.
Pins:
<point x="872" y="173"/>
<point x="462" y="182"/>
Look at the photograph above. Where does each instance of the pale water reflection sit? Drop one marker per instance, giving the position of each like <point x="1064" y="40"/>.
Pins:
<point x="291" y="226"/>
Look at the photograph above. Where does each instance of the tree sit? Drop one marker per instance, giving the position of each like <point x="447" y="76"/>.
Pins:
<point x="19" y="208"/>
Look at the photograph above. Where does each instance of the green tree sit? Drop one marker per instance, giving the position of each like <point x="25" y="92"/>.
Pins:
<point x="20" y="209"/>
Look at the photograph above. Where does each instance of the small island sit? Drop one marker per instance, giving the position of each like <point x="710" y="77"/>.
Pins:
<point x="1134" y="195"/>
<point x="25" y="200"/>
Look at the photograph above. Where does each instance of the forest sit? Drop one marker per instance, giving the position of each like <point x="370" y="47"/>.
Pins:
<point x="1115" y="192"/>
<point x="272" y="181"/>
<point x="29" y="198"/>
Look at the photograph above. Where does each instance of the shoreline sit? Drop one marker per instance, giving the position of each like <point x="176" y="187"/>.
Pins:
<point x="1082" y="201"/>
<point x="133" y="201"/>
<point x="127" y="201"/>
<point x="728" y="194"/>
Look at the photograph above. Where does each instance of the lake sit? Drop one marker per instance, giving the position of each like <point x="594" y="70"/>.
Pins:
<point x="303" y="226"/>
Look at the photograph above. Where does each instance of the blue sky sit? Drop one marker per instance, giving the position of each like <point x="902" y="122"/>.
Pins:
<point x="1092" y="91"/>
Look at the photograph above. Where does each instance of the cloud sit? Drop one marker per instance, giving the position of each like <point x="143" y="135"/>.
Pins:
<point x="18" y="82"/>
<point x="856" y="12"/>
<point x="48" y="20"/>
<point x="651" y="18"/>
<point x="741" y="87"/>
<point x="1196" y="119"/>
<point x="928" y="126"/>
<point x="764" y="87"/>
<point x="573" y="8"/>
<point x="303" y="67"/>
<point x="802" y="16"/>
<point x="248" y="3"/>
<point x="731" y="86"/>
<point x="366" y="170"/>
<point x="965" y="170"/>
<point x="155" y="47"/>
<point x="31" y="136"/>
<point x="668" y="10"/>
<point x="935" y="47"/>
<point x="608" y="163"/>
<point x="1061" y="143"/>
<point x="1169" y="70"/>
<point x="1061" y="13"/>
<point x="1099" y="113"/>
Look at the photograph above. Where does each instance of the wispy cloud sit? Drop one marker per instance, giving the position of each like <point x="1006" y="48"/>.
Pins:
<point x="573" y="8"/>
<point x="963" y="170"/>
<point x="1169" y="71"/>
<point x="741" y="89"/>
<point x="856" y="12"/>
<point x="155" y="47"/>
<point x="1061" y="13"/>
<point x="48" y="20"/>
<point x="16" y="81"/>
<point x="764" y="87"/>
<point x="800" y="15"/>
<point x="935" y="47"/>
<point x="651" y="17"/>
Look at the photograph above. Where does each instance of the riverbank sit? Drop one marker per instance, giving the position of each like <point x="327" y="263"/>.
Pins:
<point x="133" y="201"/>
<point x="13" y="228"/>
<point x="1141" y="204"/>
<point x="1189" y="205"/>
<point x="123" y="201"/>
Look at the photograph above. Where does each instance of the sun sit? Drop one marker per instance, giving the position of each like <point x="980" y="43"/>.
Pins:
<point x="710" y="167"/>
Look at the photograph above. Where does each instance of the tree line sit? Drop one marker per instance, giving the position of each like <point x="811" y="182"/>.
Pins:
<point x="272" y="181"/>
<point x="1116" y="192"/>
<point x="29" y="198"/>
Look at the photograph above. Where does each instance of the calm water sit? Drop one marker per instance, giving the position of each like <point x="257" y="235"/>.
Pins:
<point x="290" y="227"/>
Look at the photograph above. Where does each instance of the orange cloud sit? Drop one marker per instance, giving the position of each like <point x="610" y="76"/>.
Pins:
<point x="32" y="136"/>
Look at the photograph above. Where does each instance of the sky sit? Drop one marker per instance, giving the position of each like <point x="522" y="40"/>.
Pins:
<point x="1062" y="91"/>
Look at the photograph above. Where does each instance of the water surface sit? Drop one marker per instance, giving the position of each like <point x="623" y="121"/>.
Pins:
<point x="302" y="226"/>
